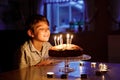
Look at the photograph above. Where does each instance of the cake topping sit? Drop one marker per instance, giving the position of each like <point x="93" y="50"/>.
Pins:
<point x="66" y="47"/>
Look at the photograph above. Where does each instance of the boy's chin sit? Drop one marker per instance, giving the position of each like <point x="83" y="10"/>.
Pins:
<point x="45" y="40"/>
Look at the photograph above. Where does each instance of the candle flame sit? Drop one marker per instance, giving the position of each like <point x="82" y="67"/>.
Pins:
<point x="71" y="36"/>
<point x="68" y="35"/>
<point x="55" y="38"/>
<point x="61" y="36"/>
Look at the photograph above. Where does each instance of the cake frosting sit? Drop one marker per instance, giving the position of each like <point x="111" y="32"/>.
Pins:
<point x="65" y="50"/>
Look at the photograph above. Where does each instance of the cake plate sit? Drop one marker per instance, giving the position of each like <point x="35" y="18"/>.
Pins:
<point x="66" y="68"/>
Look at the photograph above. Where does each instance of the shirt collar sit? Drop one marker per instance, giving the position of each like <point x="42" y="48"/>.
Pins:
<point x="32" y="48"/>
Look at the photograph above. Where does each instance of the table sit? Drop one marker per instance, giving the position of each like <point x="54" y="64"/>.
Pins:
<point x="40" y="73"/>
<point x="67" y="68"/>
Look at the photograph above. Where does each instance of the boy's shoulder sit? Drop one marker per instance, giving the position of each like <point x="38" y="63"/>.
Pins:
<point x="48" y="44"/>
<point x="25" y="44"/>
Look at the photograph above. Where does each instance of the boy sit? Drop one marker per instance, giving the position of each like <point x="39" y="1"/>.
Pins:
<point x="34" y="52"/>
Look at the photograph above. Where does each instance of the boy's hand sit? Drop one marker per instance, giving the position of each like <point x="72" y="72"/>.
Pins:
<point x="45" y="62"/>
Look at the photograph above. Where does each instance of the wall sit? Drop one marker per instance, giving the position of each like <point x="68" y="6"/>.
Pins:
<point x="114" y="48"/>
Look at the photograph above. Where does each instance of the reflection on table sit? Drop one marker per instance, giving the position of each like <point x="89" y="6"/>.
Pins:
<point x="81" y="68"/>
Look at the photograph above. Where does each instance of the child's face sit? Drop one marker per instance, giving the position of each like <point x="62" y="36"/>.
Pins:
<point x="41" y="32"/>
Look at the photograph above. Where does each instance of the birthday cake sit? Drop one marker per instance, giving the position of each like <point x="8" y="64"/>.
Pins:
<point x="65" y="50"/>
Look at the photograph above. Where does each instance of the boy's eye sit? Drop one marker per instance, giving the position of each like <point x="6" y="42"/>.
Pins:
<point x="41" y="28"/>
<point x="44" y="29"/>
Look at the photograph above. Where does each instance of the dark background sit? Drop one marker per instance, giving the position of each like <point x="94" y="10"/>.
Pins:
<point x="14" y="12"/>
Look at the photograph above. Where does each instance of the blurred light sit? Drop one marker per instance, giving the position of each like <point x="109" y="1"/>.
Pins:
<point x="103" y="77"/>
<point x="81" y="2"/>
<point x="81" y="69"/>
<point x="79" y="6"/>
<point x="93" y="64"/>
<point x="64" y="0"/>
<point x="72" y="2"/>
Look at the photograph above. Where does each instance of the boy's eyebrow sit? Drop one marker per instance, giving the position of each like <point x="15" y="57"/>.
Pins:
<point x="38" y="26"/>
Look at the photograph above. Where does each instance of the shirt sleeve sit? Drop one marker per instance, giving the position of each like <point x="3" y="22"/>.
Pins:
<point x="24" y="60"/>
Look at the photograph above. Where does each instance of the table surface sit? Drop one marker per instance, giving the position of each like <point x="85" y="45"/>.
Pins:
<point x="40" y="73"/>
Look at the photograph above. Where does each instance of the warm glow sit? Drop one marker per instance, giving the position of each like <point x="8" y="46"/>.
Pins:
<point x="58" y="40"/>
<point x="71" y="39"/>
<point x="67" y="38"/>
<point x="93" y="64"/>
<point x="61" y="39"/>
<point x="50" y="73"/>
<point x="68" y="35"/>
<point x="102" y="67"/>
<point x="71" y="36"/>
<point x="55" y="41"/>
<point x="103" y="77"/>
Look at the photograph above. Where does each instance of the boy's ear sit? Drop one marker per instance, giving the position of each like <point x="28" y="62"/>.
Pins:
<point x="30" y="33"/>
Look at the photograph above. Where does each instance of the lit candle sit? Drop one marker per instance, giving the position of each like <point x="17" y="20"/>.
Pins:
<point x="58" y="40"/>
<point x="61" y="39"/>
<point x="102" y="67"/>
<point x="55" y="41"/>
<point x="68" y="35"/>
<point x="93" y="64"/>
<point x="71" y="39"/>
<point x="50" y="74"/>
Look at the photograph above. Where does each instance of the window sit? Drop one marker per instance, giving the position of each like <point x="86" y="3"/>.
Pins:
<point x="65" y="15"/>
